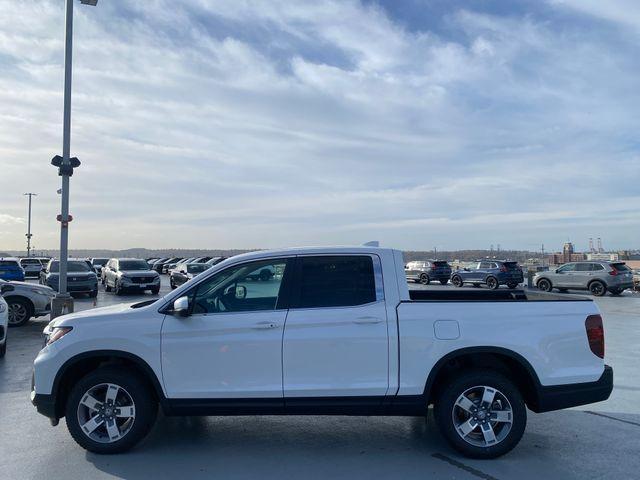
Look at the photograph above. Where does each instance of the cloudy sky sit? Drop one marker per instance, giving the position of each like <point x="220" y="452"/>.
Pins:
<point x="238" y="123"/>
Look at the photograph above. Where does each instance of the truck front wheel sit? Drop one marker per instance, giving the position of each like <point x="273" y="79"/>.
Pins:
<point x="481" y="414"/>
<point x="109" y="411"/>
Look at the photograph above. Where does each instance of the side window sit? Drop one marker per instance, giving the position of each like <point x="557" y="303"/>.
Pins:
<point x="248" y="287"/>
<point x="570" y="267"/>
<point x="584" y="267"/>
<point x="595" y="267"/>
<point x="338" y="281"/>
<point x="484" y="265"/>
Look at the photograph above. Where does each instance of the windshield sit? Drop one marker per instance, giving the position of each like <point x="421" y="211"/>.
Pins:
<point x="72" y="266"/>
<point x="133" y="265"/>
<point x="100" y="261"/>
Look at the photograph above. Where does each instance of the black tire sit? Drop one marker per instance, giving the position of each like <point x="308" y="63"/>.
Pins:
<point x="493" y="283"/>
<point x="424" y="279"/>
<point x="117" y="289"/>
<point x="456" y="280"/>
<point x="20" y="307"/>
<point x="3" y="349"/>
<point x="544" y="285"/>
<point x="156" y="290"/>
<point x="146" y="409"/>
<point x="512" y="285"/>
<point x="94" y="293"/>
<point x="597" y="288"/>
<point x="444" y="282"/>
<point x="616" y="291"/>
<point x="107" y="288"/>
<point x="173" y="285"/>
<point x="445" y="410"/>
<point x="476" y="285"/>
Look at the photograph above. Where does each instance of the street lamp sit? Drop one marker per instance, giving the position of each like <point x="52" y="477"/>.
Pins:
<point x="29" y="224"/>
<point x="66" y="165"/>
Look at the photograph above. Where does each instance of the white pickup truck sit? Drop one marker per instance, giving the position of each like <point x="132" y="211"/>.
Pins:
<point x="333" y="331"/>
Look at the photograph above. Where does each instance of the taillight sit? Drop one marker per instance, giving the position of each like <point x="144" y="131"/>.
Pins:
<point x="503" y="268"/>
<point x="613" y="272"/>
<point x="595" y="334"/>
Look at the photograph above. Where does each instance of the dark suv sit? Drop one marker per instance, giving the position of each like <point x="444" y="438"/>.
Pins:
<point x="424" y="271"/>
<point x="491" y="273"/>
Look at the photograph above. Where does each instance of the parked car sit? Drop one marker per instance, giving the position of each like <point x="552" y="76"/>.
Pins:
<point x="125" y="274"/>
<point x="491" y="273"/>
<point x="173" y="262"/>
<point x="80" y="276"/>
<point x="4" y="318"/>
<point x="427" y="270"/>
<point x="219" y="345"/>
<point x="152" y="263"/>
<point x="201" y="259"/>
<point x="171" y="266"/>
<point x="597" y="277"/>
<point x="97" y="264"/>
<point x="214" y="261"/>
<point x="10" y="269"/>
<point x="185" y="272"/>
<point x="31" y="266"/>
<point x="636" y="279"/>
<point x="27" y="300"/>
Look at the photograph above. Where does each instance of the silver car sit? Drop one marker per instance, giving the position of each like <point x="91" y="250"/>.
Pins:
<point x="27" y="300"/>
<point x="597" y="277"/>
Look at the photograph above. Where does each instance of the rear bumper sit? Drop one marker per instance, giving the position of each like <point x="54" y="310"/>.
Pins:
<point x="557" y="397"/>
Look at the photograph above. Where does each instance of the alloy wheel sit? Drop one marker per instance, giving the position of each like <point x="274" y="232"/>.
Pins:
<point x="482" y="416"/>
<point x="17" y="313"/>
<point x="106" y="413"/>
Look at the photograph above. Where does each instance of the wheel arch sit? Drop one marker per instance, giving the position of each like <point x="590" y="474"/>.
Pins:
<point x="515" y="366"/>
<point x="544" y="278"/>
<point x="80" y="365"/>
<point x="23" y="298"/>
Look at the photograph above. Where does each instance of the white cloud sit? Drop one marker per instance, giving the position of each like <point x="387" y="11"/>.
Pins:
<point x="258" y="124"/>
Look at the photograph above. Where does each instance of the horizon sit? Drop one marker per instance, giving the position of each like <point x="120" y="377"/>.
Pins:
<point x="422" y="124"/>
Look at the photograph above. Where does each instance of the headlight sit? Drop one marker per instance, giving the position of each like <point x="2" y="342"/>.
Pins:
<point x="57" y="333"/>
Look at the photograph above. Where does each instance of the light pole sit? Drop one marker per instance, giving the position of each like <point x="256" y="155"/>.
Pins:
<point x="29" y="224"/>
<point x="66" y="164"/>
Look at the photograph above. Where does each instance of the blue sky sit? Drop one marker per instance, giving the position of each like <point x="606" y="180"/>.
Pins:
<point x="418" y="123"/>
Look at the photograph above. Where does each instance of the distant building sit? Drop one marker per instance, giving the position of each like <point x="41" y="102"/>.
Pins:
<point x="606" y="257"/>
<point x="568" y="255"/>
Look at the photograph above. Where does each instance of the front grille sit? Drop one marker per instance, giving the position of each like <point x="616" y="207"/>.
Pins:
<point x="142" y="279"/>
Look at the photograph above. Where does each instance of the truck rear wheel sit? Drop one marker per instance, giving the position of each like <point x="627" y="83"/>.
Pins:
<point x="424" y="279"/>
<point x="444" y="282"/>
<point x="492" y="283"/>
<point x="481" y="414"/>
<point x="109" y="411"/>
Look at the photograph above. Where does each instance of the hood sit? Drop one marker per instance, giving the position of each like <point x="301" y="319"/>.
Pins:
<point x="92" y="314"/>
<point x="34" y="286"/>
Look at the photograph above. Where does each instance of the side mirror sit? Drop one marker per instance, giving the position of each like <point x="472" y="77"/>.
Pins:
<point x="241" y="292"/>
<point x="181" y="306"/>
<point x="466" y="269"/>
<point x="6" y="288"/>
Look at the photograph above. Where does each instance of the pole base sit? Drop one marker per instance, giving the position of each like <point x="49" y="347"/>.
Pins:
<point x="61" y="304"/>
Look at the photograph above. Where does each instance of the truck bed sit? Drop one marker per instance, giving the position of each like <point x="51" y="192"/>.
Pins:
<point x="483" y="295"/>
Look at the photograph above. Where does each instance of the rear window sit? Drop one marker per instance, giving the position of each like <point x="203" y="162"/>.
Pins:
<point x="340" y="281"/>
<point x="621" y="267"/>
<point x="30" y="261"/>
<point x="8" y="263"/>
<point x="511" y="265"/>
<point x="440" y="264"/>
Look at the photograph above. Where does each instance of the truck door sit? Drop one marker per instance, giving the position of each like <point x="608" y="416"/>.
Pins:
<point x="230" y="346"/>
<point x="335" y="337"/>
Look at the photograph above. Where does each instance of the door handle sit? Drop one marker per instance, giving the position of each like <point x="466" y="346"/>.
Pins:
<point x="265" y="326"/>
<point x="367" y="320"/>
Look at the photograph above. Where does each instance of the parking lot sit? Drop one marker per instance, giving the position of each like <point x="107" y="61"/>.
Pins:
<point x="592" y="442"/>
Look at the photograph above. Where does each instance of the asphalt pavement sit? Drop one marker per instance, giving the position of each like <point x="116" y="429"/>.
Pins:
<point x="600" y="441"/>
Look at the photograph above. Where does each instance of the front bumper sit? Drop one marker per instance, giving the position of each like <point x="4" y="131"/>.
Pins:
<point x="557" y="397"/>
